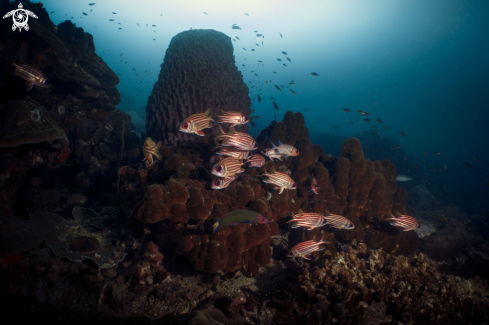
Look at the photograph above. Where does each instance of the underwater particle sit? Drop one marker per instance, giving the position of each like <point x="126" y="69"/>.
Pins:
<point x="396" y="147"/>
<point x="315" y="74"/>
<point x="205" y="13"/>
<point x="403" y="134"/>
<point x="36" y="115"/>
<point x="437" y="153"/>
<point x="85" y="244"/>
<point x="469" y="166"/>
<point x="61" y="109"/>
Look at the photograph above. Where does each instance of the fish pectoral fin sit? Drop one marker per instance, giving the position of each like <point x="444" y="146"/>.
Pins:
<point x="211" y="123"/>
<point x="28" y="82"/>
<point x="307" y="257"/>
<point x="281" y="190"/>
<point x="28" y="87"/>
<point x="201" y="133"/>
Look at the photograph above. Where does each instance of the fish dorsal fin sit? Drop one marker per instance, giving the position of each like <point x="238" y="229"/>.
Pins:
<point x="222" y="111"/>
<point x="300" y="211"/>
<point x="271" y="170"/>
<point x="231" y="130"/>
<point x="208" y="112"/>
<point x="279" y="143"/>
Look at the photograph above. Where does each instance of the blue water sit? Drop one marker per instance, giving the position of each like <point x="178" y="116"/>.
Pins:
<point x="420" y="66"/>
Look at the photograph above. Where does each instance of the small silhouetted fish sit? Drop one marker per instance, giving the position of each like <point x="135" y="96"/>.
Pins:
<point x="275" y="105"/>
<point x="469" y="166"/>
<point x="252" y="50"/>
<point x="258" y="35"/>
<point x="205" y="13"/>
<point x="425" y="153"/>
<point x="279" y="59"/>
<point x="437" y="153"/>
<point x="284" y="64"/>
<point x="153" y="25"/>
<point x="121" y="54"/>
<point x="366" y="119"/>
<point x="293" y="92"/>
<point x="246" y="14"/>
<point x="274" y="72"/>
<point x="288" y="59"/>
<point x="120" y="27"/>
<point x="234" y="40"/>
<point x="137" y="24"/>
<point x="379" y="120"/>
<point x="52" y="12"/>
<point x="244" y="49"/>
<point x="91" y="4"/>
<point x="283" y="52"/>
<point x="114" y="13"/>
<point x="438" y="168"/>
<point x="257" y="44"/>
<point x="238" y="38"/>
<point x="315" y="74"/>
<point x="111" y="19"/>
<point x="236" y="27"/>
<point x="278" y="88"/>
<point x="256" y="75"/>
<point x="352" y="123"/>
<point x="291" y="83"/>
<point x="259" y="99"/>
<point x="396" y="147"/>
<point x="84" y="13"/>
<point x="346" y="110"/>
<point x="385" y="127"/>
<point x="378" y="132"/>
<point x="280" y="35"/>
<point x="403" y="134"/>
<point x="260" y="61"/>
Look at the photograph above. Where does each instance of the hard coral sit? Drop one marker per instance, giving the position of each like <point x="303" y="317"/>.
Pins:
<point x="198" y="73"/>
<point x="164" y="202"/>
<point x="26" y="121"/>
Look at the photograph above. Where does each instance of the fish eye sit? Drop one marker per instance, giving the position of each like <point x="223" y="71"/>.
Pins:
<point x="185" y="125"/>
<point x="294" y="185"/>
<point x="219" y="168"/>
<point x="216" y="183"/>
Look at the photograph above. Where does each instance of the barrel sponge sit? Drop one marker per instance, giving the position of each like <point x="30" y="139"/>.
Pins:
<point x="198" y="73"/>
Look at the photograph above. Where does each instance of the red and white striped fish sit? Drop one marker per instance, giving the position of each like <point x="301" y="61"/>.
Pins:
<point x="338" y="221"/>
<point x="270" y="153"/>
<point x="228" y="167"/>
<point x="239" y="140"/>
<point x="404" y="221"/>
<point x="32" y="76"/>
<point x="314" y="185"/>
<point x="286" y="150"/>
<point x="283" y="181"/>
<point x="305" y="248"/>
<point x="197" y="122"/>
<point x="232" y="117"/>
<point x="232" y="152"/>
<point x="220" y="183"/>
<point x="256" y="160"/>
<point x="309" y="220"/>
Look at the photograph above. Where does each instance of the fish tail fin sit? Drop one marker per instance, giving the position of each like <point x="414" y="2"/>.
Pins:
<point x="216" y="225"/>
<point x="157" y="152"/>
<point x="212" y="123"/>
<point x="221" y="131"/>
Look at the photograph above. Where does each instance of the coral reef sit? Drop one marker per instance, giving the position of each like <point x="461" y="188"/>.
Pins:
<point x="372" y="287"/>
<point x="79" y="105"/>
<point x="198" y="73"/>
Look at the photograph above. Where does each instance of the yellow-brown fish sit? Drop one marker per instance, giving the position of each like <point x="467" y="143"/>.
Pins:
<point x="32" y="76"/>
<point x="196" y="123"/>
<point x="150" y="149"/>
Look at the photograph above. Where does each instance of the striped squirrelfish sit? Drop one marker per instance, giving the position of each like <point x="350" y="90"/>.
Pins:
<point x="305" y="248"/>
<point x="32" y="76"/>
<point x="285" y="149"/>
<point x="283" y="181"/>
<point x="270" y="153"/>
<point x="338" y="221"/>
<point x="239" y="140"/>
<point x="239" y="216"/>
<point x="256" y="160"/>
<point x="220" y="183"/>
<point x="197" y="122"/>
<point x="232" y="117"/>
<point x="404" y="221"/>
<point x="228" y="167"/>
<point x="150" y="149"/>
<point x="308" y="220"/>
<point x="231" y="152"/>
